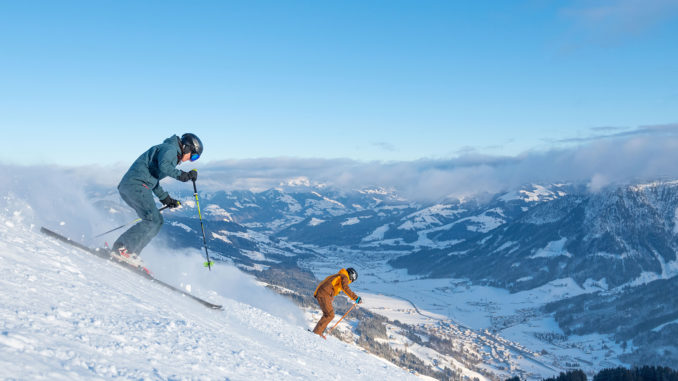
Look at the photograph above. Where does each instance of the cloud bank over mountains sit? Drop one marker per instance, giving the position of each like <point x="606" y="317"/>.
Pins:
<point x="610" y="156"/>
<point x="643" y="154"/>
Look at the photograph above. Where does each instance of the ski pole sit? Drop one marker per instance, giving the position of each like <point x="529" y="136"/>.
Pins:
<point x="342" y="318"/>
<point x="209" y="263"/>
<point x="129" y="223"/>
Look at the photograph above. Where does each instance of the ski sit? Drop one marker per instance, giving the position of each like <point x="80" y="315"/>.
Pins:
<point x="105" y="255"/>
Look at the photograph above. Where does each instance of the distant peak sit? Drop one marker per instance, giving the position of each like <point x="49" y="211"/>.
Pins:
<point x="654" y="184"/>
<point x="535" y="193"/>
<point x="301" y="181"/>
<point x="375" y="190"/>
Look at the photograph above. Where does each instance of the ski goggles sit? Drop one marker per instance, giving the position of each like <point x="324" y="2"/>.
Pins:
<point x="195" y="156"/>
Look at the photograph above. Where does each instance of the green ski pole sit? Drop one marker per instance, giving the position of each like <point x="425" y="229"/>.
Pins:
<point x="209" y="263"/>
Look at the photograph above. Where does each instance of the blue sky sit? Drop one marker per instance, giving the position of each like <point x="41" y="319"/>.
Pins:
<point x="99" y="82"/>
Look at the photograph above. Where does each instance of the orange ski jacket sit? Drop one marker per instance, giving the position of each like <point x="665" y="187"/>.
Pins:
<point x="334" y="284"/>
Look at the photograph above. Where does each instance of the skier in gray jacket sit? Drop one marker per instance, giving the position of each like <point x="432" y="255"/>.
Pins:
<point x="142" y="180"/>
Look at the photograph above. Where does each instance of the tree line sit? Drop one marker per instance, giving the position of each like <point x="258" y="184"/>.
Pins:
<point x="644" y="373"/>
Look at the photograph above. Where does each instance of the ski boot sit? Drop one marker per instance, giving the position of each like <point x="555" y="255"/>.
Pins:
<point x="319" y="334"/>
<point x="130" y="259"/>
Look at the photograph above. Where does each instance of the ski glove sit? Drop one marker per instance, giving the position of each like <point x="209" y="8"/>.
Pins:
<point x="190" y="175"/>
<point x="170" y="202"/>
<point x="358" y="300"/>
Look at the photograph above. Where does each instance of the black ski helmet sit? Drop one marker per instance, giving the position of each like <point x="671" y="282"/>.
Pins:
<point x="191" y="144"/>
<point x="352" y="274"/>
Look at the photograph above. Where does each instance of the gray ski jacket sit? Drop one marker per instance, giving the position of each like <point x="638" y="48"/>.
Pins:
<point x="154" y="165"/>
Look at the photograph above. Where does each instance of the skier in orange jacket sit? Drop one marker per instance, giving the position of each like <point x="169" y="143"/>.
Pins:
<point x="328" y="289"/>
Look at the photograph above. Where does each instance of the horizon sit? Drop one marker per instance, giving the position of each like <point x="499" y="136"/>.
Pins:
<point x="596" y="167"/>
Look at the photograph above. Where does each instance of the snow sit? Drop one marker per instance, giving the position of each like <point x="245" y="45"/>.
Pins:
<point x="254" y="255"/>
<point x="433" y="358"/>
<point x="336" y="203"/>
<point x="661" y="326"/>
<point x="315" y="221"/>
<point x="409" y="225"/>
<point x="654" y="184"/>
<point x="293" y="205"/>
<point x="301" y="181"/>
<point x="485" y="223"/>
<point x="378" y="191"/>
<point x="506" y="245"/>
<point x="180" y="225"/>
<point x="351" y="221"/>
<point x="552" y="249"/>
<point x="323" y="205"/>
<point x="190" y="203"/>
<point x="481" y="223"/>
<point x="254" y="267"/>
<point x="377" y="234"/>
<point x="69" y="315"/>
<point x="217" y="211"/>
<point x="670" y="269"/>
<point x="537" y="194"/>
<point x="444" y="210"/>
<point x="397" y="309"/>
<point x="426" y="218"/>
<point x="221" y="236"/>
<point x="510" y="196"/>
<point x="593" y="284"/>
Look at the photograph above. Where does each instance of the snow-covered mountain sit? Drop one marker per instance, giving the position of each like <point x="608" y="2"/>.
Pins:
<point x="541" y="233"/>
<point x="615" y="245"/>
<point x="374" y="218"/>
<point x="68" y="315"/>
<point x="614" y="237"/>
<point x="280" y="207"/>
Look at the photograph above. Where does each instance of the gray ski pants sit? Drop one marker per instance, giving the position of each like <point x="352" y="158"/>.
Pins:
<point x="138" y="236"/>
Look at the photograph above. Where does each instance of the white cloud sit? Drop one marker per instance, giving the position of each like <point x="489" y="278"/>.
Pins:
<point x="646" y="153"/>
<point x="619" y="18"/>
<point x="598" y="182"/>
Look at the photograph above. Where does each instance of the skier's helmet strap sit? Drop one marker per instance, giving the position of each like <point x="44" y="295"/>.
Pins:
<point x="191" y="144"/>
<point x="352" y="274"/>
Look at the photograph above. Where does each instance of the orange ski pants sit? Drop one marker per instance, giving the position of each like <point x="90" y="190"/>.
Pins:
<point x="325" y="302"/>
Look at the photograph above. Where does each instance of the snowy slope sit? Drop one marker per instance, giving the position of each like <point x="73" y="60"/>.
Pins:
<point x="65" y="314"/>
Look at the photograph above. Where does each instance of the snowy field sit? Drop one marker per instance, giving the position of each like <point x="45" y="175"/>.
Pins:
<point x="67" y="315"/>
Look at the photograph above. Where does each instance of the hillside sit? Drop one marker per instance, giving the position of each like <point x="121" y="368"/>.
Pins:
<point x="68" y="315"/>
